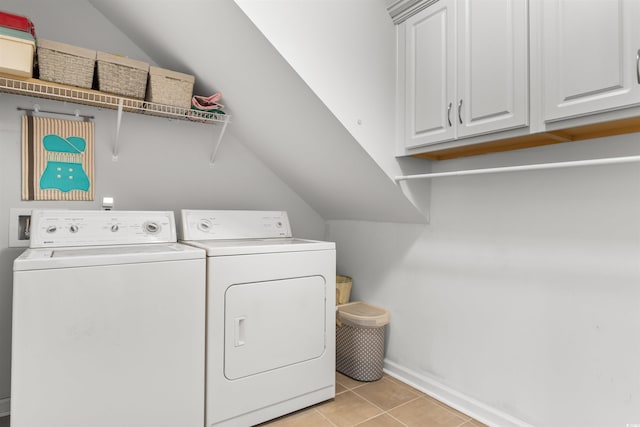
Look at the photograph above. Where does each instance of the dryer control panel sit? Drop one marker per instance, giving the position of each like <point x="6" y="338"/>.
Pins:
<point x="224" y="224"/>
<point x="56" y="228"/>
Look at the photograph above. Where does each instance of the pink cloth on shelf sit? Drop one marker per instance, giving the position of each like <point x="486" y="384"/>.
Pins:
<point x="207" y="102"/>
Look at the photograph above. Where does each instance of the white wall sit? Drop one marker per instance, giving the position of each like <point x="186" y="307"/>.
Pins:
<point x="163" y="164"/>
<point x="355" y="37"/>
<point x="519" y="302"/>
<point x="345" y="51"/>
<point x="524" y="291"/>
<point x="75" y="22"/>
<point x="274" y="111"/>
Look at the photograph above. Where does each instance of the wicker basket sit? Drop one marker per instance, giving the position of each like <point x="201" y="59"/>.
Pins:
<point x="170" y="88"/>
<point x="343" y="289"/>
<point x="122" y="76"/>
<point x="66" y="64"/>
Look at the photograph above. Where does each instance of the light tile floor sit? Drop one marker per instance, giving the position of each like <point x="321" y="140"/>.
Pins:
<point x="383" y="403"/>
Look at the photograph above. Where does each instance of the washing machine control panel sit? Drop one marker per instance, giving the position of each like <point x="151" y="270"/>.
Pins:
<point x="221" y="224"/>
<point x="51" y="228"/>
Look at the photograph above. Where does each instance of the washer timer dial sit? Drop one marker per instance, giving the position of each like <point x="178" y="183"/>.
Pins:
<point x="152" y="227"/>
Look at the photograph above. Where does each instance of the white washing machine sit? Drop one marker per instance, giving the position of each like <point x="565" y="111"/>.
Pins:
<point x="108" y="323"/>
<point x="270" y="315"/>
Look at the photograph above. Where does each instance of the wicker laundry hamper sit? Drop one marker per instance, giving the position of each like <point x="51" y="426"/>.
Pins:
<point x="343" y="289"/>
<point x="360" y="340"/>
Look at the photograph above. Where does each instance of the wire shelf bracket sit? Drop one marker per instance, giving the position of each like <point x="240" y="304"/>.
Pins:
<point x="114" y="155"/>
<point x="214" y="150"/>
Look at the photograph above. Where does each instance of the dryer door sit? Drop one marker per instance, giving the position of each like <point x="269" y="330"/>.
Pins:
<point x="273" y="324"/>
<point x="270" y="334"/>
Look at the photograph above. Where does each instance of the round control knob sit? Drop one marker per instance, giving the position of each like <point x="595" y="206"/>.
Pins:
<point x="204" y="225"/>
<point x="114" y="228"/>
<point x="73" y="228"/>
<point x="151" y="227"/>
<point x="51" y="229"/>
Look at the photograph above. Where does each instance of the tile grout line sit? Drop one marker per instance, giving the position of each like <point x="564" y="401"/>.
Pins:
<point x="379" y="415"/>
<point x="390" y="415"/>
<point x="343" y="391"/>
<point x="371" y="403"/>
<point x="322" y="415"/>
<point x="360" y="384"/>
<point x="437" y="402"/>
<point x="368" y="401"/>
<point x="383" y="410"/>
<point x="405" y="403"/>
<point x="421" y="395"/>
<point x="449" y="409"/>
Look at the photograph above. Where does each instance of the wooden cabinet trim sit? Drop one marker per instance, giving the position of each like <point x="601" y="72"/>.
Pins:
<point x="578" y="133"/>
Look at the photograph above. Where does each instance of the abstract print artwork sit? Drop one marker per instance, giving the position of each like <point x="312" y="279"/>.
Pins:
<point x="57" y="159"/>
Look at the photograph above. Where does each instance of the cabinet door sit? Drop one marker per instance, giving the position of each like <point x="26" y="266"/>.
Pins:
<point x="492" y="66"/>
<point x="430" y="75"/>
<point x="590" y="51"/>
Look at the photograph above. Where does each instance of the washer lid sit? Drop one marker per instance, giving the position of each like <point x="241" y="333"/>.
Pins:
<point x="69" y="257"/>
<point x="259" y="246"/>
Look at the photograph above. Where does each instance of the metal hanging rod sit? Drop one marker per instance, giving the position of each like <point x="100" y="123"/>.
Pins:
<point x="36" y="109"/>
<point x="594" y="162"/>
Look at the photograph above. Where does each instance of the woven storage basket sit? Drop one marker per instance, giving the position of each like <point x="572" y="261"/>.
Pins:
<point x="122" y="76"/>
<point x="66" y="64"/>
<point x="360" y="340"/>
<point x="170" y="87"/>
<point x="343" y="289"/>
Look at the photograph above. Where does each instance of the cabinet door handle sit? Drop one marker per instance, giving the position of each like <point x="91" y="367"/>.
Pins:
<point x="449" y="114"/>
<point x="638" y="66"/>
<point x="459" y="112"/>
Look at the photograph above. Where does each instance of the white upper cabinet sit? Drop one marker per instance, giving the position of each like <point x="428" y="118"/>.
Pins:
<point x="492" y="66"/>
<point x="463" y="70"/>
<point x="430" y="75"/>
<point x="590" y="52"/>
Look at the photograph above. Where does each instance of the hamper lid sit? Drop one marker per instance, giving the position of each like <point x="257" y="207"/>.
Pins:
<point x="363" y="315"/>
<point x="66" y="48"/>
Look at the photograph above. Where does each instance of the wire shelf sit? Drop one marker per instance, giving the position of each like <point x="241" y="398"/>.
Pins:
<point x="41" y="89"/>
<point x="94" y="98"/>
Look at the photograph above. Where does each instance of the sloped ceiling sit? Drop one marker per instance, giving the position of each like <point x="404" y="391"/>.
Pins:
<point x="274" y="113"/>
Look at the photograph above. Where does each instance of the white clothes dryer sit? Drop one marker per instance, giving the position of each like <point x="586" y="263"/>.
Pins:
<point x="270" y="315"/>
<point x="108" y="323"/>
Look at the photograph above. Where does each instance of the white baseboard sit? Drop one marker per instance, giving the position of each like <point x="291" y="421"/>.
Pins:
<point x="4" y="407"/>
<point x="465" y="404"/>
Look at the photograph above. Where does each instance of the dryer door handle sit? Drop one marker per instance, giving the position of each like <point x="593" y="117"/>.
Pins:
<point x="238" y="331"/>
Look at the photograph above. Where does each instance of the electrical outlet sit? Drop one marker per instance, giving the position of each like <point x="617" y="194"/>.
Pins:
<point x="19" y="227"/>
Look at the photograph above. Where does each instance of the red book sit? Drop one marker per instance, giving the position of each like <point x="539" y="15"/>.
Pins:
<point x="17" y="22"/>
